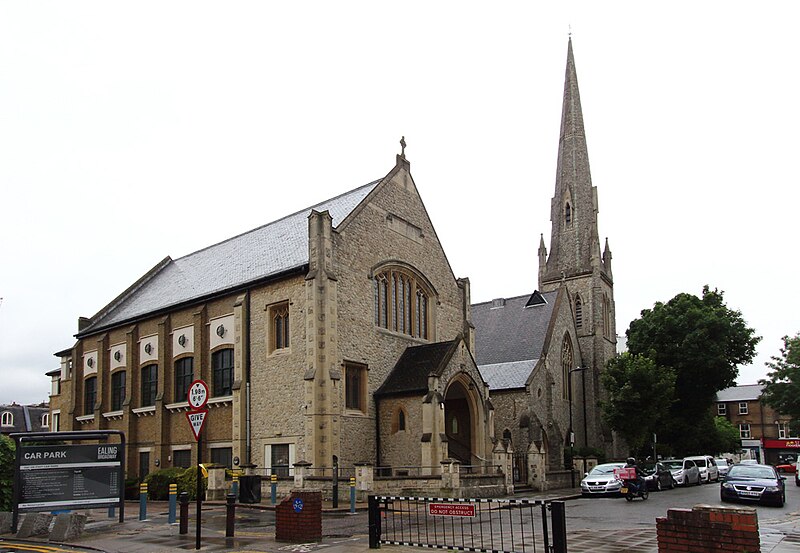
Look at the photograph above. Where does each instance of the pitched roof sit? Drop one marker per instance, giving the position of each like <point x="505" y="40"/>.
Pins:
<point x="266" y="251"/>
<point x="509" y="337"/>
<point x="748" y="392"/>
<point x="410" y="373"/>
<point x="26" y="418"/>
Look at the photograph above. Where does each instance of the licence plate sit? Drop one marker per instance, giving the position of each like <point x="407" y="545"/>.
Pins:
<point x="750" y="494"/>
<point x="623" y="490"/>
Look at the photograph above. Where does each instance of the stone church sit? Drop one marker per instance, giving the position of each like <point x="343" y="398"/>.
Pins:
<point x="542" y="353"/>
<point x="340" y="335"/>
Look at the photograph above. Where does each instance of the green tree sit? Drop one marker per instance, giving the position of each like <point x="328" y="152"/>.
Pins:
<point x="7" y="461"/>
<point x="782" y="388"/>
<point x="729" y="440"/>
<point x="703" y="342"/>
<point x="639" y="397"/>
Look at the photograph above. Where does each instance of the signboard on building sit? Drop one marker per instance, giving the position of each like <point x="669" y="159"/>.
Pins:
<point x="782" y="444"/>
<point x="451" y="509"/>
<point x="70" y="476"/>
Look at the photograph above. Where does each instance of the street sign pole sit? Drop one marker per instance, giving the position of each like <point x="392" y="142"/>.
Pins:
<point x="197" y="397"/>
<point x="199" y="487"/>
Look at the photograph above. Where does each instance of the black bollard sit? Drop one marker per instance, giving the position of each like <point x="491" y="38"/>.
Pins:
<point x="230" y="515"/>
<point x="184" y="522"/>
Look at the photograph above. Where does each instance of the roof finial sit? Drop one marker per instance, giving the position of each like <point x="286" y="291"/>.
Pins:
<point x="569" y="33"/>
<point x="403" y="147"/>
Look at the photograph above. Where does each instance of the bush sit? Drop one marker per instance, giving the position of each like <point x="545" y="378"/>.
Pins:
<point x="187" y="482"/>
<point x="131" y="488"/>
<point x="158" y="482"/>
<point x="7" y="460"/>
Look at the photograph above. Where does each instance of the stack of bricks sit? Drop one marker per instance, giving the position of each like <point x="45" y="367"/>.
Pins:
<point x="707" y="528"/>
<point x="298" y="518"/>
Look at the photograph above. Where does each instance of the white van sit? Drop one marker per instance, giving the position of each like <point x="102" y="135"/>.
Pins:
<point x="708" y="468"/>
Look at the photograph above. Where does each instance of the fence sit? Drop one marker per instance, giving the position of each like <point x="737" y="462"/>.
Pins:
<point x="501" y="525"/>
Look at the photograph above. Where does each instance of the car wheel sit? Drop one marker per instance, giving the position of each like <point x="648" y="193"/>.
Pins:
<point x="645" y="494"/>
<point x="671" y="483"/>
<point x="797" y="482"/>
<point x="699" y="480"/>
<point x="658" y="485"/>
<point x="628" y="497"/>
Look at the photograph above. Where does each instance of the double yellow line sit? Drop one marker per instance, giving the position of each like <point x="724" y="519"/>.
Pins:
<point x="39" y="548"/>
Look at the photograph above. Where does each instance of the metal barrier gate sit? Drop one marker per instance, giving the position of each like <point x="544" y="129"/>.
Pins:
<point x="496" y="525"/>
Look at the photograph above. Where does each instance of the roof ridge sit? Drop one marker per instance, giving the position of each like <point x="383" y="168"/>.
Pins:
<point x="521" y="296"/>
<point x="298" y="212"/>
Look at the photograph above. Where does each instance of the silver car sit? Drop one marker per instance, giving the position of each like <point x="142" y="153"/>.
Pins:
<point x="684" y="471"/>
<point x="601" y="480"/>
<point x="723" y="465"/>
<point x="707" y="466"/>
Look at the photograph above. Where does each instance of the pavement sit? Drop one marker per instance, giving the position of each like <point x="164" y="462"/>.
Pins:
<point x="343" y="532"/>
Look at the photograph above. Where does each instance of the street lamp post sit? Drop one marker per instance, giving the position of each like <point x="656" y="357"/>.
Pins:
<point x="571" y="430"/>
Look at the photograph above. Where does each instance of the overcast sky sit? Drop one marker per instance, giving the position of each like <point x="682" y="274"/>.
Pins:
<point x="132" y="131"/>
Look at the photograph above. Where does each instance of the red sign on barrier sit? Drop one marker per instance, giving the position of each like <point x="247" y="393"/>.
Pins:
<point x="451" y="509"/>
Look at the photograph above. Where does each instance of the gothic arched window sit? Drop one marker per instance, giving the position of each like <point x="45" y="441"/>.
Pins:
<point x="578" y="312"/>
<point x="566" y="365"/>
<point x="606" y="316"/>
<point x="568" y="214"/>
<point x="402" y="303"/>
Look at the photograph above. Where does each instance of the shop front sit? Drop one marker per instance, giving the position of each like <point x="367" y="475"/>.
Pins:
<point x="780" y="452"/>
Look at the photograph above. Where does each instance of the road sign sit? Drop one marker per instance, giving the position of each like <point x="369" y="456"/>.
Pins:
<point x="197" y="419"/>
<point x="198" y="395"/>
<point x="451" y="509"/>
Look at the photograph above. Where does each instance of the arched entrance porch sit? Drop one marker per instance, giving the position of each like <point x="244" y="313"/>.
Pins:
<point x="462" y="414"/>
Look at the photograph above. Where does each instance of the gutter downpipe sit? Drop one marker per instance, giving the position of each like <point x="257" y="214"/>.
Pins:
<point x="377" y="436"/>
<point x="248" y="444"/>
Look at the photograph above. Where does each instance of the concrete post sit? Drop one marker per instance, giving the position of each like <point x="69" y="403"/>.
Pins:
<point x="301" y="470"/>
<point x="216" y="483"/>
<point x="365" y="478"/>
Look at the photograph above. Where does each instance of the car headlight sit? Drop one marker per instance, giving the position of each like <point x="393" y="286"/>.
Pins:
<point x="727" y="485"/>
<point x="772" y="489"/>
<point x="679" y="473"/>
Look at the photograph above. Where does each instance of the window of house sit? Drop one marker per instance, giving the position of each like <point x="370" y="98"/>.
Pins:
<point x="7" y="419"/>
<point x="117" y="390"/>
<point x="182" y="458"/>
<point x="566" y="366"/>
<point x="743" y="408"/>
<point x="56" y="422"/>
<point x="222" y="366"/>
<point x="55" y="386"/>
<point x="578" y="313"/>
<point x="399" y="421"/>
<point x="355" y="387"/>
<point x="744" y="430"/>
<point x="46" y="420"/>
<point x="722" y="409"/>
<point x="89" y="395"/>
<point x="281" y="459"/>
<point x="222" y="456"/>
<point x="144" y="464"/>
<point x="279" y="322"/>
<point x="149" y="385"/>
<point x="402" y="303"/>
<point x="184" y="375"/>
<point x="783" y="430"/>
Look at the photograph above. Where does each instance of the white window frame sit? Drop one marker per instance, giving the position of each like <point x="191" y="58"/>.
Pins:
<point x="55" y="420"/>
<point x="744" y="430"/>
<point x="743" y="408"/>
<point x="7" y="418"/>
<point x="268" y="457"/>
<point x="722" y="409"/>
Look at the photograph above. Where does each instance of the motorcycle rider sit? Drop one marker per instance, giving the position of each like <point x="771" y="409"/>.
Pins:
<point x="640" y="483"/>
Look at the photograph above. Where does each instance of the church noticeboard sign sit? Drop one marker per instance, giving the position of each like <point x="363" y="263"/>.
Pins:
<point x="70" y="476"/>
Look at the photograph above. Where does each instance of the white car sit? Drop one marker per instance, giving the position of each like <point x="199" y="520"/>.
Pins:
<point x="708" y="468"/>
<point x="723" y="465"/>
<point x="601" y="480"/>
<point x="684" y="471"/>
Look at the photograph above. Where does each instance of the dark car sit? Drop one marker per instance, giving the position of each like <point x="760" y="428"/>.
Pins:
<point x="754" y="483"/>
<point x="657" y="476"/>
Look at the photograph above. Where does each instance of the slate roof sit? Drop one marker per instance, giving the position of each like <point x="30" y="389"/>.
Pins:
<point x="749" y="392"/>
<point x="410" y="373"/>
<point x="266" y="251"/>
<point x="509" y="337"/>
<point x="27" y="418"/>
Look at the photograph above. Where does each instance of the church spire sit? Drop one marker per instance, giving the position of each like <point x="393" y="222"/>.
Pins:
<point x="574" y="244"/>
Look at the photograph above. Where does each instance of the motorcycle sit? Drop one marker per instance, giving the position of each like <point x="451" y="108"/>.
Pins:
<point x="632" y="489"/>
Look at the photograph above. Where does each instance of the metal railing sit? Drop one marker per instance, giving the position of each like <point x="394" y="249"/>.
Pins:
<point x="501" y="525"/>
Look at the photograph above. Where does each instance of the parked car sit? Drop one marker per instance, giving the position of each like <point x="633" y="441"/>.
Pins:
<point x="754" y="483"/>
<point x="749" y="462"/>
<point x="657" y="476"/>
<point x="723" y="465"/>
<point x="684" y="471"/>
<point x="708" y="468"/>
<point x="786" y="463"/>
<point x="796" y="475"/>
<point x="601" y="480"/>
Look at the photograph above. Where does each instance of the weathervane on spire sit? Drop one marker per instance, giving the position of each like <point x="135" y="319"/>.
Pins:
<point x="403" y="147"/>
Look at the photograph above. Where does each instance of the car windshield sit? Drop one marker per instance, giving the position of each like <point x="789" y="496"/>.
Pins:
<point x="649" y="469"/>
<point x="721" y="462"/>
<point x="673" y="464"/>
<point x="700" y="462"/>
<point x="605" y="469"/>
<point x="750" y="471"/>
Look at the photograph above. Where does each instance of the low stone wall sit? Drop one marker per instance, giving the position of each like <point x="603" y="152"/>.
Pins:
<point x="558" y="479"/>
<point x="728" y="529"/>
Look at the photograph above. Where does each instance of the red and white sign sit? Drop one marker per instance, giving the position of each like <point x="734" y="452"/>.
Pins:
<point x="625" y="473"/>
<point x="451" y="509"/>
<point x="197" y="419"/>
<point x="197" y="395"/>
<point x="782" y="444"/>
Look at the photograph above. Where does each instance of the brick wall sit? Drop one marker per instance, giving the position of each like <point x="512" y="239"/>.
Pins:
<point x="299" y="526"/>
<point x="704" y="527"/>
